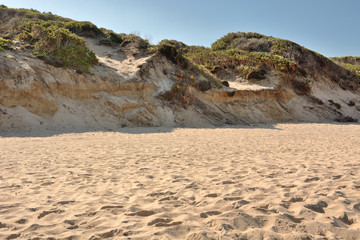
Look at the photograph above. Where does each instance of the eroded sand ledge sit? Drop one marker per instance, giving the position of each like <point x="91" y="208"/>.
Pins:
<point x="287" y="181"/>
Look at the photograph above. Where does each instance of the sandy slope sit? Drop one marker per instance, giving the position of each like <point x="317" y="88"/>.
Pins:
<point x="269" y="182"/>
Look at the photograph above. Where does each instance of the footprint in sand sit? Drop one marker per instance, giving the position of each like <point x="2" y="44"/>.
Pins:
<point x="111" y="207"/>
<point x="3" y="225"/>
<point x="44" y="213"/>
<point x="168" y="198"/>
<point x="163" y="222"/>
<point x="142" y="213"/>
<point x="109" y="234"/>
<point x="21" y="221"/>
<point x="318" y="207"/>
<point x="357" y="207"/>
<point x="345" y="219"/>
<point x="287" y="204"/>
<point x="239" y="204"/>
<point x="159" y="194"/>
<point x="13" y="236"/>
<point x="312" y="179"/>
<point x="292" y="218"/>
<point x="209" y="213"/>
<point x="65" y="202"/>
<point x="211" y="195"/>
<point x="265" y="209"/>
<point x="228" y="182"/>
<point x="72" y="224"/>
<point x="336" y="177"/>
<point x="232" y="198"/>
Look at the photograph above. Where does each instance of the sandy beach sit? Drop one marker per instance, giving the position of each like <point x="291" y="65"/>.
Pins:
<point x="285" y="181"/>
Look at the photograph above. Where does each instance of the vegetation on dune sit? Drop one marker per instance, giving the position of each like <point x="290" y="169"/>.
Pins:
<point x="247" y="53"/>
<point x="52" y="38"/>
<point x="83" y="28"/>
<point x="56" y="43"/>
<point x="349" y="62"/>
<point x="59" y="40"/>
<point x="254" y="42"/>
<point x="178" y="92"/>
<point x="240" y="59"/>
<point x="351" y="67"/>
<point x="4" y="43"/>
<point x="134" y="40"/>
<point x="170" y="51"/>
<point x="112" y="36"/>
<point x="347" y="59"/>
<point x="236" y="40"/>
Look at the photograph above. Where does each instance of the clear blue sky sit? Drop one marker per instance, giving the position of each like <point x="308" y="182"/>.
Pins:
<point x="330" y="27"/>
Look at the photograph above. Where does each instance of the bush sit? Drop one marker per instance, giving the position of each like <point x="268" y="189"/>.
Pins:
<point x="83" y="28"/>
<point x="177" y="94"/>
<point x="64" y="46"/>
<point x="347" y="59"/>
<point x="134" y="40"/>
<point x="57" y="43"/>
<point x="349" y="63"/>
<point x="112" y="36"/>
<point x="4" y="43"/>
<point x="232" y="59"/>
<point x="52" y="37"/>
<point x="171" y="53"/>
<point x="180" y="46"/>
<point x="233" y="40"/>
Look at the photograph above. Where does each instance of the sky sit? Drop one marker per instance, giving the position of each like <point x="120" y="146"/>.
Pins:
<point x="330" y="27"/>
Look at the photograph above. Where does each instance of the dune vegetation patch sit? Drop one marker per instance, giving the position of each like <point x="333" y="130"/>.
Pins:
<point x="4" y="43"/>
<point x="349" y="62"/>
<point x="57" y="40"/>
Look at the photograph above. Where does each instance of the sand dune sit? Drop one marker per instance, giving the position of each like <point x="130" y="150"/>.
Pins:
<point x="288" y="181"/>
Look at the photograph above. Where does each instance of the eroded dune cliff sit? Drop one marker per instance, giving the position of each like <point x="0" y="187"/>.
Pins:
<point x="171" y="85"/>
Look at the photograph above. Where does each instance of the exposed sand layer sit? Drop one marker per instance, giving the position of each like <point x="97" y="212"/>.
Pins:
<point x="288" y="181"/>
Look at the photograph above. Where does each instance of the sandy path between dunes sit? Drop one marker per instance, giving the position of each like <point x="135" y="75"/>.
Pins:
<point x="288" y="181"/>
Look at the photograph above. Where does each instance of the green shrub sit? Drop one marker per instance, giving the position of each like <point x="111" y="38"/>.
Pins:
<point x="64" y="46"/>
<point x="170" y="52"/>
<point x="112" y="36"/>
<point x="177" y="93"/>
<point x="349" y="62"/>
<point x="180" y="46"/>
<point x="282" y="45"/>
<point x="351" y="67"/>
<point x="228" y="41"/>
<point x="232" y="59"/>
<point x="347" y="59"/>
<point x="224" y="42"/>
<point x="58" y="43"/>
<point x="53" y="38"/>
<point x="134" y="40"/>
<point x="83" y="28"/>
<point x="4" y="43"/>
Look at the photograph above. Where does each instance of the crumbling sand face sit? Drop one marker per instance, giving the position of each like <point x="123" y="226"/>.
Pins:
<point x="123" y="91"/>
<point x="57" y="98"/>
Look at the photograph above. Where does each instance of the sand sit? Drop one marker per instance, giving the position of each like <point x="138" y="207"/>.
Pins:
<point x="286" y="181"/>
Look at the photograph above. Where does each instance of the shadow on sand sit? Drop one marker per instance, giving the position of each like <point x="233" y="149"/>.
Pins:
<point x="136" y="130"/>
<point x="149" y="130"/>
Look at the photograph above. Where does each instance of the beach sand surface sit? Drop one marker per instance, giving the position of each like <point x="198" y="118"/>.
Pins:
<point x="284" y="181"/>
